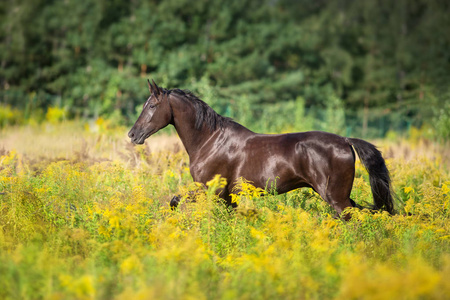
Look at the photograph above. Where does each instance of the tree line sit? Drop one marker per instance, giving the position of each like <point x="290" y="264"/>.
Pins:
<point x="389" y="58"/>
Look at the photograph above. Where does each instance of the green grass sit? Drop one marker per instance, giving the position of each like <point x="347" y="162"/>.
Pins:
<point x="98" y="226"/>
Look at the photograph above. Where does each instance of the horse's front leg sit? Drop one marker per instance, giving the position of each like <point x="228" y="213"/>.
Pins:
<point x="174" y="202"/>
<point x="189" y="197"/>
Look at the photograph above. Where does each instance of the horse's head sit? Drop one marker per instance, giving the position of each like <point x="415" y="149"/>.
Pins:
<point x="156" y="114"/>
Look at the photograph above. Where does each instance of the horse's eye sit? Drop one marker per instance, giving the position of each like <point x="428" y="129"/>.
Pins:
<point x="149" y="105"/>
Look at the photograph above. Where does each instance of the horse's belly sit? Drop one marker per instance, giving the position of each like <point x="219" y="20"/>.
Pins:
<point x="274" y="173"/>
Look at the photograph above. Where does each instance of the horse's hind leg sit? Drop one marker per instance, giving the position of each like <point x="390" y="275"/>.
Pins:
<point x="340" y="205"/>
<point x="336" y="192"/>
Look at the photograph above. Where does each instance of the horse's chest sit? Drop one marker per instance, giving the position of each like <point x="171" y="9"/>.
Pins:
<point x="204" y="169"/>
<point x="201" y="172"/>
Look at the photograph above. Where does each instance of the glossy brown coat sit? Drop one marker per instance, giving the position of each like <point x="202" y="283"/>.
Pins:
<point x="217" y="145"/>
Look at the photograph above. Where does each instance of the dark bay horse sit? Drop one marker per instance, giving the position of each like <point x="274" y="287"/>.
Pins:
<point x="322" y="161"/>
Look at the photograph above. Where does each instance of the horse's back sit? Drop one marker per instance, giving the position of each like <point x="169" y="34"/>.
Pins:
<point x="319" y="141"/>
<point x="319" y="148"/>
<point x="293" y="159"/>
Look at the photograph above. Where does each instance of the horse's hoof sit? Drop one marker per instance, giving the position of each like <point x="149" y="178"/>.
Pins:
<point x="174" y="202"/>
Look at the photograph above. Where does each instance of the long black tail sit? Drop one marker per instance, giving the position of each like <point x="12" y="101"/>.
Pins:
<point x="380" y="180"/>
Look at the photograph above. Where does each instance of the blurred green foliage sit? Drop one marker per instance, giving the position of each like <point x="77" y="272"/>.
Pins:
<point x="360" y="67"/>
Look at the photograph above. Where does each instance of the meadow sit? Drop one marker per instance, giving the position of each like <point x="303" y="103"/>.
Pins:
<point x="84" y="214"/>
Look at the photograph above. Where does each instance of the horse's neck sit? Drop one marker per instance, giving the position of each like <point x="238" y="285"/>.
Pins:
<point x="184" y="118"/>
<point x="193" y="139"/>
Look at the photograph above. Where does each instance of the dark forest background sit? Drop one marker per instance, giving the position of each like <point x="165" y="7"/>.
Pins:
<point x="364" y="68"/>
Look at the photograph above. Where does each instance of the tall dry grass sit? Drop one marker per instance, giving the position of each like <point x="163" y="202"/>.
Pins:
<point x="70" y="139"/>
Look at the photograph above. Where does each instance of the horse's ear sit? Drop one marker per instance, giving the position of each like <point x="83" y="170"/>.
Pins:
<point x="158" y="90"/>
<point x="150" y="87"/>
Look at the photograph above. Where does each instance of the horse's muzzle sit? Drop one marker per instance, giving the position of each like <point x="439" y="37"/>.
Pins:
<point x="135" y="138"/>
<point x="139" y="137"/>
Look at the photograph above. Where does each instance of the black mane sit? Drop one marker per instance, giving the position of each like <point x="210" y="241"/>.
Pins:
<point x="204" y="114"/>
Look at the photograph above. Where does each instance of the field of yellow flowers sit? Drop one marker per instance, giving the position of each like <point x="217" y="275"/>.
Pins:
<point x="85" y="215"/>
